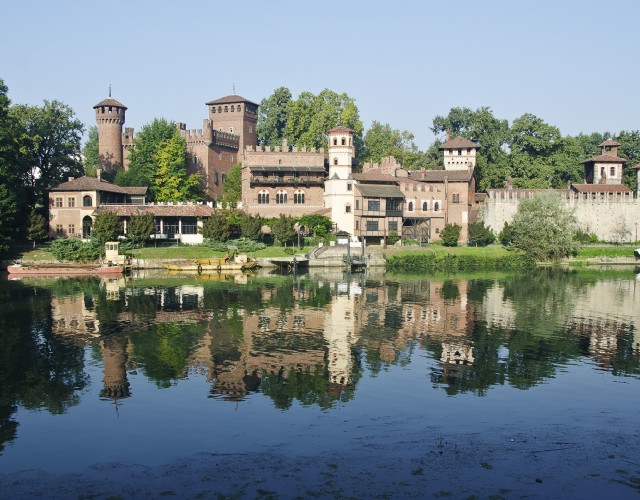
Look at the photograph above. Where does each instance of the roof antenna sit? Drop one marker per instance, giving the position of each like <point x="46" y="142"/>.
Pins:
<point x="109" y="90"/>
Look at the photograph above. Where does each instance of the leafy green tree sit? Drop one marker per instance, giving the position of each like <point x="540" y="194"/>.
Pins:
<point x="217" y="227"/>
<point x="382" y="140"/>
<point x="544" y="228"/>
<point x="272" y="120"/>
<point x="480" y="235"/>
<point x="140" y="228"/>
<point x="319" y="225"/>
<point x="506" y="235"/>
<point x="232" y="187"/>
<point x="480" y="126"/>
<point x="630" y="149"/>
<point x="91" y="152"/>
<point x="283" y="230"/>
<point x="107" y="226"/>
<point x="50" y="139"/>
<point x="8" y="211"/>
<point x="10" y="175"/>
<point x="38" y="228"/>
<point x="171" y="181"/>
<point x="310" y="117"/>
<point x="450" y="235"/>
<point x="251" y="227"/>
<point x="142" y="157"/>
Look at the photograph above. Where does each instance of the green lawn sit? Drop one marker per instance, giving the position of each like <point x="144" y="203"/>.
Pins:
<point x="196" y="252"/>
<point x="593" y="251"/>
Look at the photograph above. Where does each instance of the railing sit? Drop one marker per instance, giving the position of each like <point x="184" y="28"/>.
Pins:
<point x="286" y="181"/>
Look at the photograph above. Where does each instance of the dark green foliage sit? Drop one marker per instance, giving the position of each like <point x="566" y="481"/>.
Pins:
<point x="107" y="226"/>
<point x="232" y="187"/>
<point x="38" y="227"/>
<point x="251" y="226"/>
<point x="586" y="238"/>
<point x="243" y="245"/>
<point x="392" y="237"/>
<point x="90" y="152"/>
<point x="450" y="235"/>
<point x="75" y="250"/>
<point x="455" y="263"/>
<point x="318" y="225"/>
<point x="480" y="235"/>
<point x="272" y="120"/>
<point x="506" y="235"/>
<point x="282" y="229"/>
<point x="140" y="228"/>
<point x="217" y="227"/>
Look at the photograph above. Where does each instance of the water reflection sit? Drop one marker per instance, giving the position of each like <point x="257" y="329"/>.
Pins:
<point x="309" y="338"/>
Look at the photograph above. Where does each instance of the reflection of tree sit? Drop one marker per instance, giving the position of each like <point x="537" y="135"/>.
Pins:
<point x="37" y="369"/>
<point x="627" y="358"/>
<point x="163" y="350"/>
<point x="309" y="387"/>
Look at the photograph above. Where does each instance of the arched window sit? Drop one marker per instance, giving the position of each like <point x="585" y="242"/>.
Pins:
<point x="238" y="107"/>
<point x="298" y="197"/>
<point x="281" y="197"/>
<point x="219" y="109"/>
<point x="232" y="108"/>
<point x="226" y="108"/>
<point x="263" y="197"/>
<point x="213" y="109"/>
<point x="215" y="178"/>
<point x="87" y="201"/>
<point x="87" y="222"/>
<point x="425" y="206"/>
<point x="436" y="206"/>
<point x="223" y="177"/>
<point x="613" y="171"/>
<point x="410" y="207"/>
<point x="335" y="141"/>
<point x="335" y="161"/>
<point x="344" y="141"/>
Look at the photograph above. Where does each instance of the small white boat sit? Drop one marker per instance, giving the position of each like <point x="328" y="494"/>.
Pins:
<point x="636" y="253"/>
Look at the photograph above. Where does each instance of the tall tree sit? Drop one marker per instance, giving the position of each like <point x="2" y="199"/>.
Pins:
<point x="171" y="181"/>
<point x="382" y="140"/>
<point x="630" y="149"/>
<point x="142" y="160"/>
<point x="90" y="152"/>
<point x="232" y="187"/>
<point x="311" y="117"/>
<point x="272" y="120"/>
<point x="480" y="126"/>
<point x="9" y="174"/>
<point x="50" y="137"/>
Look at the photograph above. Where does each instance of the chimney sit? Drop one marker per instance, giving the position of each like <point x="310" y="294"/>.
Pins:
<point x="448" y="135"/>
<point x="285" y="145"/>
<point x="70" y="178"/>
<point x="99" y="174"/>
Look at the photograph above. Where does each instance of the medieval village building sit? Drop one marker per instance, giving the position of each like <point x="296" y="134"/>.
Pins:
<point x="382" y="200"/>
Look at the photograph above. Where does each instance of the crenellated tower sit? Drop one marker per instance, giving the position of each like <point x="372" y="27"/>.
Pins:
<point x="110" y="119"/>
<point x="237" y="116"/>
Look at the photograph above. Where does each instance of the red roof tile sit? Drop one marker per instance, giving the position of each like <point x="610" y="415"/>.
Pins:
<point x="93" y="184"/>
<point x="458" y="143"/>
<point x="609" y="142"/>
<point x="230" y="99"/>
<point x="441" y="175"/>
<point x="110" y="102"/>
<point x="340" y="129"/>
<point x="159" y="210"/>
<point x="605" y="159"/>
<point x="600" y="188"/>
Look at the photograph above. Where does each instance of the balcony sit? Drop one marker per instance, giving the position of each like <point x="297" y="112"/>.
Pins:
<point x="286" y="181"/>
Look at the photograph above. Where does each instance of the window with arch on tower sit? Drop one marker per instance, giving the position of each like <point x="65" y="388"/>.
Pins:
<point x="232" y="108"/>
<point x="215" y="178"/>
<point x="226" y="109"/>
<point x="263" y="197"/>
<point x="213" y="109"/>
<point x="335" y="161"/>
<point x="335" y="141"/>
<point x="344" y="141"/>
<point x="425" y="206"/>
<point x="219" y="109"/>
<point x="223" y="178"/>
<point x="87" y="201"/>
<point x="238" y="108"/>
<point x="281" y="197"/>
<point x="298" y="197"/>
<point x="410" y="206"/>
<point x="436" y="206"/>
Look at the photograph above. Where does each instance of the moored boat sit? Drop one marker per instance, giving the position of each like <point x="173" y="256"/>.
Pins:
<point x="238" y="262"/>
<point x="19" y="270"/>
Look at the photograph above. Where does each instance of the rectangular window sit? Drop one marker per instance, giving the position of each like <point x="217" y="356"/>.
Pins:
<point x="357" y="204"/>
<point x="347" y="209"/>
<point x="72" y="229"/>
<point x="372" y="225"/>
<point x="58" y="202"/>
<point x="357" y="225"/>
<point x="373" y="205"/>
<point x="71" y="202"/>
<point x="59" y="229"/>
<point x="393" y="225"/>
<point x="349" y="187"/>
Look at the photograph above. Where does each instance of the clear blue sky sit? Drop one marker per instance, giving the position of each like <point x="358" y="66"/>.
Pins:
<point x="575" y="64"/>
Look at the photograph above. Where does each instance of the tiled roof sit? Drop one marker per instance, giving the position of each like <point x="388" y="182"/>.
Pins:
<point x="93" y="184"/>
<point x="457" y="143"/>
<point x="159" y="210"/>
<point x="605" y="159"/>
<point x="609" y="142"/>
<point x="600" y="188"/>
<point x="110" y="102"/>
<point x="376" y="178"/>
<point x="340" y="129"/>
<point x="377" y="191"/>
<point x="230" y="99"/>
<point x="440" y="175"/>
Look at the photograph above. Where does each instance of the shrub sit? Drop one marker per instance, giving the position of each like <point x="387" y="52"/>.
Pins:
<point x="216" y="227"/>
<point x="75" y="250"/>
<point x="106" y="227"/>
<point x="506" y="235"/>
<point x="243" y="245"/>
<point x="140" y="228"/>
<point x="480" y="235"/>
<point x="450" y="235"/>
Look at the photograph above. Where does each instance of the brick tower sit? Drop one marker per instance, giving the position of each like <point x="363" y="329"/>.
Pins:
<point x="110" y="119"/>
<point x="235" y="115"/>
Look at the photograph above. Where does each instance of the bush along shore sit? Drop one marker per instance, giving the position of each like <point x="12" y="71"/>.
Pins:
<point x="451" y="263"/>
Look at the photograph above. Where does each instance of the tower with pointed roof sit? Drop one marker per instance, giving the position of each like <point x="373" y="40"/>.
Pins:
<point x="606" y="168"/>
<point x="235" y="115"/>
<point x="110" y="119"/>
<point x="459" y="154"/>
<point x="339" y="193"/>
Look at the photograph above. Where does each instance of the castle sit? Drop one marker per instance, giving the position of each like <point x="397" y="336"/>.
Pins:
<point x="384" y="199"/>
